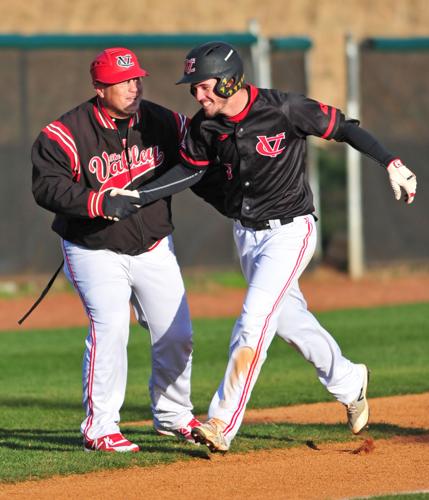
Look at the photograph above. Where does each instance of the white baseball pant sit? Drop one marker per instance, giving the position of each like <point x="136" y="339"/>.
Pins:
<point x="107" y="282"/>
<point x="272" y="261"/>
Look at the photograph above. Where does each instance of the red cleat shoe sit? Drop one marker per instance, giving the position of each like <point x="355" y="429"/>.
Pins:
<point x="112" y="442"/>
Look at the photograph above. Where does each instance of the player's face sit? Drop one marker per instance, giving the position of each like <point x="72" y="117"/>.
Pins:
<point x="211" y="103"/>
<point x="121" y="99"/>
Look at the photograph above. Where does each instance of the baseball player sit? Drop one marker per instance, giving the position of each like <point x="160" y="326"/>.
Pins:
<point x="115" y="252"/>
<point x="249" y="144"/>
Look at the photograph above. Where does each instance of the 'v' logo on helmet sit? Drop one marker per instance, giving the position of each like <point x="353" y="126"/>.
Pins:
<point x="189" y="66"/>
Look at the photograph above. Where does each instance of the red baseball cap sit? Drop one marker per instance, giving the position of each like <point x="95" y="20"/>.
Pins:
<point x="116" y="65"/>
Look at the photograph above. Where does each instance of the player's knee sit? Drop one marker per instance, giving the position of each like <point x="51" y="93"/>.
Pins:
<point x="173" y="340"/>
<point x="111" y="325"/>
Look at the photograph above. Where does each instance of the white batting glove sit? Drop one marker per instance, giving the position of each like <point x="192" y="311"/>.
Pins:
<point x="124" y="192"/>
<point x="401" y="177"/>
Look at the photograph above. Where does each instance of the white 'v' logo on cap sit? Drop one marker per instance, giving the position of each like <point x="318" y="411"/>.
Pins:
<point x="124" y="61"/>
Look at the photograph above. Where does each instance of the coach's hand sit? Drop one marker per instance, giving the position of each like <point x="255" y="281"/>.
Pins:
<point x="401" y="177"/>
<point x="119" y="204"/>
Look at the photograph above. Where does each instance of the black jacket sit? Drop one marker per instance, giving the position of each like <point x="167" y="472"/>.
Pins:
<point x="80" y="156"/>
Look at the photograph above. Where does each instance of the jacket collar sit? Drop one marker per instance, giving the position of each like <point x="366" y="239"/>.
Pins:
<point x="253" y="94"/>
<point x="106" y="121"/>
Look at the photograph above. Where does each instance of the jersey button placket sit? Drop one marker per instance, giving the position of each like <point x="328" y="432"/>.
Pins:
<point x="246" y="205"/>
<point x="246" y="208"/>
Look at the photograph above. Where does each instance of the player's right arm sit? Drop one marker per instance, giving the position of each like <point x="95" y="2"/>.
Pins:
<point x="194" y="162"/>
<point x="175" y="180"/>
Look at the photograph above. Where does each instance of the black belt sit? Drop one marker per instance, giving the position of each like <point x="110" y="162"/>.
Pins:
<point x="266" y="224"/>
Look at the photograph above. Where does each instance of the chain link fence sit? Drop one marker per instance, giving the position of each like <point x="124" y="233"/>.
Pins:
<point x="45" y="76"/>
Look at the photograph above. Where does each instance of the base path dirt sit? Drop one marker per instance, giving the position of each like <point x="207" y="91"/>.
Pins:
<point x="360" y="467"/>
<point x="324" y="290"/>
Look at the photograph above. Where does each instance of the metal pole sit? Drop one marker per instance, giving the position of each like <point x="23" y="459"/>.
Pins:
<point x="313" y="170"/>
<point x="260" y="53"/>
<point x="354" y="187"/>
<point x="26" y="203"/>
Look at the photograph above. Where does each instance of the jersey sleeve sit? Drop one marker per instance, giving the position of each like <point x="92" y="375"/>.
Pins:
<point x="182" y="124"/>
<point x="210" y="189"/>
<point x="56" y="174"/>
<point x="311" y="117"/>
<point x="195" y="149"/>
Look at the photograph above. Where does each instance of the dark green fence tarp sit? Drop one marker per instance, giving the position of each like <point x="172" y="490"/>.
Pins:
<point x="394" y="76"/>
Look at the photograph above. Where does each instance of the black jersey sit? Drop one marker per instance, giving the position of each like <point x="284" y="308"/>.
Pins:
<point x="260" y="154"/>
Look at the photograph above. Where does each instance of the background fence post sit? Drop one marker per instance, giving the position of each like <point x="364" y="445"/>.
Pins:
<point x="354" y="185"/>
<point x="260" y="53"/>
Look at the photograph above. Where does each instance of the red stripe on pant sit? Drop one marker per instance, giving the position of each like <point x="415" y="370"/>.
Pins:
<point x="256" y="357"/>
<point x="93" y="347"/>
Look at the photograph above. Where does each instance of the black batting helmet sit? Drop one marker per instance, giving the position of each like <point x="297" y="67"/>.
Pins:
<point x="215" y="60"/>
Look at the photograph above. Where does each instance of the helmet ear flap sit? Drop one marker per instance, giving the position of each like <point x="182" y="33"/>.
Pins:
<point x="227" y="88"/>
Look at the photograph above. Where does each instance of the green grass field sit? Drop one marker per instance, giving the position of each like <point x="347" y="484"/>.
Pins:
<point x="40" y="389"/>
<point x="410" y="496"/>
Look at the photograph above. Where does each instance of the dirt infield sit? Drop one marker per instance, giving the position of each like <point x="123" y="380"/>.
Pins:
<point x="321" y="471"/>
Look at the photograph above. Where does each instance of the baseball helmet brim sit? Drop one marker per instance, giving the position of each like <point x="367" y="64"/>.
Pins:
<point x="193" y="78"/>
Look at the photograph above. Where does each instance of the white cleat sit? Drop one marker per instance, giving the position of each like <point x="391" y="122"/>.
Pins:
<point x="211" y="435"/>
<point x="358" y="409"/>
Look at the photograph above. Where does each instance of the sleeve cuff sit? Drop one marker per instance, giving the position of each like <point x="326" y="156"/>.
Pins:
<point x="95" y="204"/>
<point x="396" y="162"/>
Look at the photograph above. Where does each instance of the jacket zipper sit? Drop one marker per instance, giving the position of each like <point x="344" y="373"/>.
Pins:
<point x="126" y="149"/>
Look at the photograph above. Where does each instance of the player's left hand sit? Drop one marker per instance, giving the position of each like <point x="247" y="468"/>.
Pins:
<point x="401" y="177"/>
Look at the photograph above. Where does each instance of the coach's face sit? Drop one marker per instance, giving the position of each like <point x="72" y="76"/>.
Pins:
<point x="121" y="100"/>
<point x="211" y="103"/>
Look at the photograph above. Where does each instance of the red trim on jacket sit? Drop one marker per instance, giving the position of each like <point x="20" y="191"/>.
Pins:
<point x="58" y="132"/>
<point x="106" y="121"/>
<point x="102" y="116"/>
<point x="331" y="123"/>
<point x="95" y="204"/>
<point x="253" y="94"/>
<point x="195" y="163"/>
<point x="182" y="123"/>
<point x="135" y="119"/>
